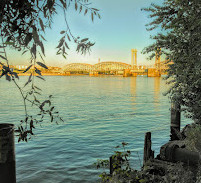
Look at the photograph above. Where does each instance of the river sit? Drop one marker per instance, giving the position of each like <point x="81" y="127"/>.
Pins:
<point x="99" y="113"/>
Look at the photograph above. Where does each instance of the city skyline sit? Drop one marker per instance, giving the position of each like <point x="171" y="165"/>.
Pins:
<point x="121" y="28"/>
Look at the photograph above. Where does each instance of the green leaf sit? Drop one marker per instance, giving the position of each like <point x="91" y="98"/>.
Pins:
<point x="41" y="24"/>
<point x="37" y="93"/>
<point x="76" y="6"/>
<point x="27" y="69"/>
<point x="66" y="45"/>
<point x="8" y="77"/>
<point x="43" y="103"/>
<point x="15" y="74"/>
<point x="60" y="43"/>
<point x="62" y="32"/>
<point x="42" y="47"/>
<point x="64" y="56"/>
<point x="38" y="71"/>
<point x="42" y="65"/>
<point x="3" y="57"/>
<point x="29" y="80"/>
<point x="85" y="11"/>
<point x="41" y="56"/>
<point x="92" y="17"/>
<point x="63" y="50"/>
<point x="68" y="37"/>
<point x="95" y="9"/>
<point x="43" y="38"/>
<point x="31" y="124"/>
<point x="33" y="50"/>
<point x="37" y="88"/>
<point x="24" y="52"/>
<point x="36" y="36"/>
<point x="83" y="40"/>
<point x="27" y="39"/>
<point x="40" y="77"/>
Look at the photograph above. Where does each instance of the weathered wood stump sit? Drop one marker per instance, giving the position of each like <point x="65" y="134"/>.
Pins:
<point x="175" y="121"/>
<point x="148" y="153"/>
<point x="7" y="154"/>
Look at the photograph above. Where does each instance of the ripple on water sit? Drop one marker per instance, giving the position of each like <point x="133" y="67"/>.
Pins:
<point x="99" y="114"/>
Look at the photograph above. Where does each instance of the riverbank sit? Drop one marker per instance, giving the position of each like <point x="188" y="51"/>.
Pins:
<point x="160" y="170"/>
<point x="55" y="74"/>
<point x="178" y="161"/>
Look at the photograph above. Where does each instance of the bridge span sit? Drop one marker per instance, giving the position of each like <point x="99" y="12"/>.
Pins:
<point x="119" y="68"/>
<point x="114" y="68"/>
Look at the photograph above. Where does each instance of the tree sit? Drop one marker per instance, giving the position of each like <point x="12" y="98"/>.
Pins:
<point x="178" y="23"/>
<point x="22" y="27"/>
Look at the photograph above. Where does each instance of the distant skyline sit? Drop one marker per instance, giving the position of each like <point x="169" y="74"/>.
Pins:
<point x="121" y="28"/>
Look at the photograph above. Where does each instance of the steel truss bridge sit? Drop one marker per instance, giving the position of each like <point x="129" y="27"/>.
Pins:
<point x="99" y="67"/>
<point x="111" y="67"/>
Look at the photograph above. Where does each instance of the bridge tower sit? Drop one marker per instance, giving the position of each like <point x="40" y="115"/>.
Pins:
<point x="158" y="58"/>
<point x="134" y="57"/>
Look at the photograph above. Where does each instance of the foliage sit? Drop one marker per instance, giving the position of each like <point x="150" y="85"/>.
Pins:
<point x="121" y="160"/>
<point x="120" y="165"/>
<point x="22" y="27"/>
<point x="193" y="135"/>
<point x="151" y="172"/>
<point x="178" y="23"/>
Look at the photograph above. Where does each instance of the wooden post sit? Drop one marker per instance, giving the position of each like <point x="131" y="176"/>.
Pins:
<point x="175" y="121"/>
<point x="7" y="154"/>
<point x="111" y="165"/>
<point x="148" y="153"/>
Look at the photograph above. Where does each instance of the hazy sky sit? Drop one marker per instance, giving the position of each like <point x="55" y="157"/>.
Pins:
<point x="121" y="28"/>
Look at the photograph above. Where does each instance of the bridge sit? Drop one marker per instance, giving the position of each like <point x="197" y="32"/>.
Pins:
<point x="118" y="68"/>
<point x="109" y="67"/>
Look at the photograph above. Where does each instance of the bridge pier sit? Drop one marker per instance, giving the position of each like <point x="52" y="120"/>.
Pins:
<point x="93" y="73"/>
<point x="153" y="72"/>
<point x="127" y="73"/>
<point x="134" y="74"/>
<point x="67" y="73"/>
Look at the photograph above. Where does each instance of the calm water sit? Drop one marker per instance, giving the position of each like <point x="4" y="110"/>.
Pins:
<point x="99" y="114"/>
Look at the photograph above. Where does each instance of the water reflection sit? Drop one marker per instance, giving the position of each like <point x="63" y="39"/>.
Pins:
<point x="157" y="81"/>
<point x="133" y="86"/>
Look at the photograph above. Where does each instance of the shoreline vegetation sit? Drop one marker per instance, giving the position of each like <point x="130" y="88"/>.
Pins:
<point x="157" y="170"/>
<point x="179" y="159"/>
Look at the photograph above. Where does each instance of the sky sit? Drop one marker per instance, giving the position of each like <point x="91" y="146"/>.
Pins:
<point x="120" y="29"/>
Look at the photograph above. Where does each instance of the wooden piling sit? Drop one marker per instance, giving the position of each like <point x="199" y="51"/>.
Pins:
<point x="148" y="153"/>
<point x="7" y="154"/>
<point x="111" y="165"/>
<point x="175" y="121"/>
